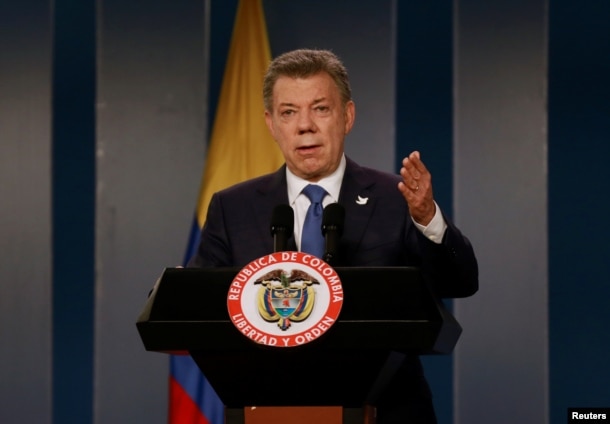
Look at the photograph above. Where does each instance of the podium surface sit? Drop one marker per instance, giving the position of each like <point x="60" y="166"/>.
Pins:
<point x="387" y="313"/>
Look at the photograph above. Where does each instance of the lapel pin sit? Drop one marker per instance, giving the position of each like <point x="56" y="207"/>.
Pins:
<point x="362" y="200"/>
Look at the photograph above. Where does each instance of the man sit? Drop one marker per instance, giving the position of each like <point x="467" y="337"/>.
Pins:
<point x="390" y="220"/>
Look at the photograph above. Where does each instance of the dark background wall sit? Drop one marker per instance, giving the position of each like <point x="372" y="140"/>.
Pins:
<point x="508" y="102"/>
<point x="579" y="180"/>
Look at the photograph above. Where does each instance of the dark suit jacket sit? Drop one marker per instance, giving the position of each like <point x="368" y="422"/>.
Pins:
<point x="377" y="233"/>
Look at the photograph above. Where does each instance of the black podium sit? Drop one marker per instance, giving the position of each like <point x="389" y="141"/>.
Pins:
<point x="387" y="313"/>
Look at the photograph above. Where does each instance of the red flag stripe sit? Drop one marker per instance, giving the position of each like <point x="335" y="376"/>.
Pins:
<point x="182" y="409"/>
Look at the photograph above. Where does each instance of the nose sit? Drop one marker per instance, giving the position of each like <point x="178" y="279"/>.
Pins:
<point x="305" y="122"/>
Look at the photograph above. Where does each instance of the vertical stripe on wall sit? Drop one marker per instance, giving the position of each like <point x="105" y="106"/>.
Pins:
<point x="424" y="90"/>
<point x="222" y="18"/>
<point x="151" y="129"/>
<point x="73" y="185"/>
<point x="579" y="206"/>
<point x="500" y="158"/>
<point x="424" y="122"/>
<point x="25" y="212"/>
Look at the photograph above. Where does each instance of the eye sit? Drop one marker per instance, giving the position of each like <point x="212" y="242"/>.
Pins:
<point x="322" y="109"/>
<point x="287" y="112"/>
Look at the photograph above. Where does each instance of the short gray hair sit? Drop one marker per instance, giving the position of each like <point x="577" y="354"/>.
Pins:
<point x="303" y="63"/>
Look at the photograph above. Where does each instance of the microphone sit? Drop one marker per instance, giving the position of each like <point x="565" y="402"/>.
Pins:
<point x="332" y="228"/>
<point x="282" y="226"/>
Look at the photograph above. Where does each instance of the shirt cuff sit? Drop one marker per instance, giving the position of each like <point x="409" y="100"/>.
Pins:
<point x="435" y="230"/>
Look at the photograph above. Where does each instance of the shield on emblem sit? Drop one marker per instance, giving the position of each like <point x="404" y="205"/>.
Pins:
<point x="283" y="300"/>
<point x="286" y="300"/>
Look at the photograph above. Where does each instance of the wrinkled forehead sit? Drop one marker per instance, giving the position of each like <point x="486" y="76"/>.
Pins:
<point x="304" y="90"/>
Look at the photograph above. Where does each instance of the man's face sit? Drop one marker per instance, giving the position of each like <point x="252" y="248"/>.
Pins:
<point x="310" y="123"/>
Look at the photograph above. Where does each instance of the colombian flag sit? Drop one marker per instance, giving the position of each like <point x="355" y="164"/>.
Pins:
<point x="240" y="148"/>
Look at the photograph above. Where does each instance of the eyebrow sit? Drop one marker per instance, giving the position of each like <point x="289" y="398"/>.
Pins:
<point x="315" y="102"/>
<point x="286" y="104"/>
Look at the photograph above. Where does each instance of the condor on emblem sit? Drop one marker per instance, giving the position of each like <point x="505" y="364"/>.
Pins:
<point x="285" y="299"/>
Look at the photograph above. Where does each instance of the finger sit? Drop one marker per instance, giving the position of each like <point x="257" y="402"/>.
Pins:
<point x="407" y="192"/>
<point x="411" y="175"/>
<point x="408" y="168"/>
<point x="417" y="164"/>
<point x="409" y="180"/>
<point x="410" y="185"/>
<point x="411" y="167"/>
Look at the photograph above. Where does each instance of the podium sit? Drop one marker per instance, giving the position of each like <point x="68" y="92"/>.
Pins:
<point x="387" y="313"/>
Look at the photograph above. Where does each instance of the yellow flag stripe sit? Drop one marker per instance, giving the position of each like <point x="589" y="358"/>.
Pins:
<point x="241" y="146"/>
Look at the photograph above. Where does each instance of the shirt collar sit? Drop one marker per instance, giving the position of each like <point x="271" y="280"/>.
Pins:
<point x="331" y="183"/>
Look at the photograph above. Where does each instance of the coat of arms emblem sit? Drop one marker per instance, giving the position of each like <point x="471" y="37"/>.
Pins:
<point x="286" y="296"/>
<point x="285" y="299"/>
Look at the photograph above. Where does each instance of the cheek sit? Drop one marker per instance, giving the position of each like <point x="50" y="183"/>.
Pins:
<point x="282" y="142"/>
<point x="338" y="136"/>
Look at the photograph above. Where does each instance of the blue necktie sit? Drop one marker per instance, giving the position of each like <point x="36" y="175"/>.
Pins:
<point x="312" y="240"/>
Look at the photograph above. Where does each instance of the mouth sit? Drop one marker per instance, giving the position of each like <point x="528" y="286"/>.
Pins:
<point x="307" y="150"/>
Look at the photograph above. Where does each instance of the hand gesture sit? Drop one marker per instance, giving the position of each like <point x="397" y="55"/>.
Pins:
<point x="416" y="188"/>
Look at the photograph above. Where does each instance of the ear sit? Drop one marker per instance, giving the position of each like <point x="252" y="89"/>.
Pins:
<point x="269" y="122"/>
<point x="350" y="116"/>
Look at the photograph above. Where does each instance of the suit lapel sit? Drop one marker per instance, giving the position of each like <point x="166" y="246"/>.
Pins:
<point x="271" y="192"/>
<point x="357" y="198"/>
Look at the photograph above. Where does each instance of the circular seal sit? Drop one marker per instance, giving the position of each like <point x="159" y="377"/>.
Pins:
<point x="285" y="299"/>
